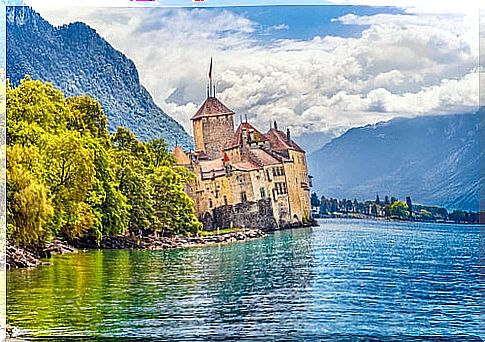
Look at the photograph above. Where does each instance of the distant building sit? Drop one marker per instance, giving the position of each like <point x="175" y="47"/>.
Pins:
<point x="245" y="178"/>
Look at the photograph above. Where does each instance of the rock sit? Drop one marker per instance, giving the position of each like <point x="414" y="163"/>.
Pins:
<point x="11" y="331"/>
<point x="57" y="247"/>
<point x="18" y="257"/>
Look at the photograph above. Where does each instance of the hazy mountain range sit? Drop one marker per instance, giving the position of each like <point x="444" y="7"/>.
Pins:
<point x="79" y="61"/>
<point x="433" y="159"/>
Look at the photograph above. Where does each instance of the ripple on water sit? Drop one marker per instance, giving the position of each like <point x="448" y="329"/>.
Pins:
<point x="343" y="277"/>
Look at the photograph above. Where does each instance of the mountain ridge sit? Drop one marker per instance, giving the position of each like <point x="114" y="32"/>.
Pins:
<point x="78" y="61"/>
<point x="433" y="159"/>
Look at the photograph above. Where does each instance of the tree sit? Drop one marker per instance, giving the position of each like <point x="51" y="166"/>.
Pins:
<point x="107" y="201"/>
<point x="399" y="209"/>
<point x="28" y="206"/>
<point x="173" y="208"/>
<point x="160" y="156"/>
<point x="87" y="117"/>
<point x="409" y="203"/>
<point x="315" y="201"/>
<point x="66" y="176"/>
<point x="68" y="168"/>
<point x="425" y="214"/>
<point x="458" y="216"/>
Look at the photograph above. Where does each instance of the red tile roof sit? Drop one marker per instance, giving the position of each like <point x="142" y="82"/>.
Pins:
<point x="278" y="141"/>
<point x="237" y="138"/>
<point x="246" y="165"/>
<point x="181" y="158"/>
<point x="263" y="157"/>
<point x="212" y="165"/>
<point x="212" y="107"/>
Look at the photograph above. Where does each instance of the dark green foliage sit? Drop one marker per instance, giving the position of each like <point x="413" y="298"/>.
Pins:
<point x="315" y="201"/>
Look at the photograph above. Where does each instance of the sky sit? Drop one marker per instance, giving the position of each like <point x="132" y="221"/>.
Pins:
<point x="317" y="69"/>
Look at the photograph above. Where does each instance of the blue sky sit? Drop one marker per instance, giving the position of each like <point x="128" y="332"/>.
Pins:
<point x="306" y="22"/>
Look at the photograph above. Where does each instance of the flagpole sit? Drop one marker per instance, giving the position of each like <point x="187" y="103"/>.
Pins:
<point x="210" y="79"/>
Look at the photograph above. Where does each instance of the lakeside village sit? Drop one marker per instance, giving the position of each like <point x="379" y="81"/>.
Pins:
<point x="386" y="209"/>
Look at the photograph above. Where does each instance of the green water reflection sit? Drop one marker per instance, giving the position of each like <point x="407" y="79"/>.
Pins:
<point x="344" y="277"/>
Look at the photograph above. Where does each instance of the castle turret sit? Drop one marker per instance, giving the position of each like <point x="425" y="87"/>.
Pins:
<point x="213" y="124"/>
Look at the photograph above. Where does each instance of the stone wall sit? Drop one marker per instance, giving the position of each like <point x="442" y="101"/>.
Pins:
<point x="242" y="215"/>
<point x="216" y="132"/>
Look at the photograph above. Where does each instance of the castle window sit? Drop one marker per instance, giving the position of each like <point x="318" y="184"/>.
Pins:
<point x="217" y="194"/>
<point x="268" y="177"/>
<point x="225" y="200"/>
<point x="210" y="203"/>
<point x="280" y="188"/>
<point x="262" y="192"/>
<point x="244" y="198"/>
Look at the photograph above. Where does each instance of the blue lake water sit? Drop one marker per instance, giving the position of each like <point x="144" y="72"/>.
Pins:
<point x="343" y="279"/>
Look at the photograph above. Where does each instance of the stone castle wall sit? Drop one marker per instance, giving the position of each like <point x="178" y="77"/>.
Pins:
<point x="257" y="214"/>
<point x="216" y="131"/>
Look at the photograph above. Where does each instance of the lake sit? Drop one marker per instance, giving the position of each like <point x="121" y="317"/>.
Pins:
<point x="342" y="279"/>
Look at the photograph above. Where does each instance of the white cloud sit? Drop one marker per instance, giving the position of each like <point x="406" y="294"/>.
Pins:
<point x="280" y="27"/>
<point x="420" y="6"/>
<point x="401" y="65"/>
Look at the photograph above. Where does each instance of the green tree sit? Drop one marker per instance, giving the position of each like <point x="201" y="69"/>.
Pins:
<point x="173" y="208"/>
<point x="108" y="202"/>
<point x="315" y="201"/>
<point x="66" y="176"/>
<point x="425" y="214"/>
<point x="28" y="206"/>
<point x="87" y="116"/>
<point x="399" y="209"/>
<point x="160" y="156"/>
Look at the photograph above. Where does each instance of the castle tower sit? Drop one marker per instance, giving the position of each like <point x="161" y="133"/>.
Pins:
<point x="213" y="124"/>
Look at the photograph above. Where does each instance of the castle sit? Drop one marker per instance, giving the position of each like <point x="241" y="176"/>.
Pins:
<point x="244" y="178"/>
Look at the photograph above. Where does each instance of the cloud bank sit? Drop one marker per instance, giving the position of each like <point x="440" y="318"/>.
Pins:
<point x="400" y="65"/>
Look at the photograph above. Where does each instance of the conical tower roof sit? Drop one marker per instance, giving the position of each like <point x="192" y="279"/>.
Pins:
<point x="212" y="107"/>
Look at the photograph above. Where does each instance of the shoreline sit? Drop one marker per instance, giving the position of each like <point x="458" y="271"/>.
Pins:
<point x="389" y="219"/>
<point x="18" y="257"/>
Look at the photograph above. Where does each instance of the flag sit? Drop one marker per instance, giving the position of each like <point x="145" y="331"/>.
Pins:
<point x="210" y="70"/>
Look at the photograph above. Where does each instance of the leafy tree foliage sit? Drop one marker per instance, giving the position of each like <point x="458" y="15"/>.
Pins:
<point x="315" y="201"/>
<point x="66" y="176"/>
<point x="399" y="209"/>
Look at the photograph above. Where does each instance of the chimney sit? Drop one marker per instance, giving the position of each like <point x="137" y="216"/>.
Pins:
<point x="244" y="136"/>
<point x="288" y="136"/>
<point x="251" y="135"/>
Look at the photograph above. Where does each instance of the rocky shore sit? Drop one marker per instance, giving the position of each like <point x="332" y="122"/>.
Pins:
<point x="157" y="243"/>
<point x="18" y="257"/>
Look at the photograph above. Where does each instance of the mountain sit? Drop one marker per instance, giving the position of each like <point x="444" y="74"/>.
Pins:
<point x="311" y="142"/>
<point x="79" y="61"/>
<point x="433" y="159"/>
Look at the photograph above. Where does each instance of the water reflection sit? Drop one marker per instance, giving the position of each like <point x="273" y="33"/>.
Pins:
<point x="342" y="277"/>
